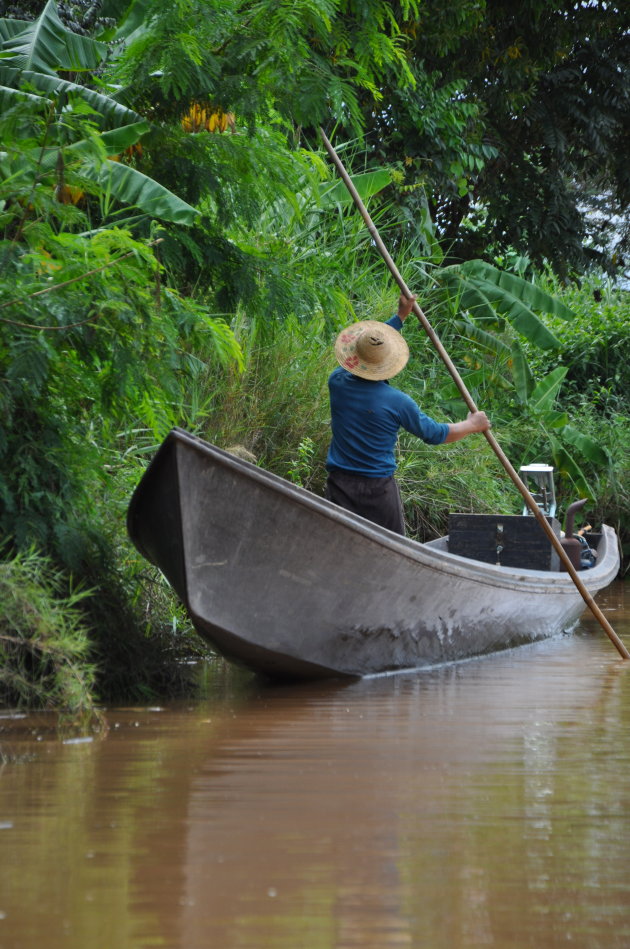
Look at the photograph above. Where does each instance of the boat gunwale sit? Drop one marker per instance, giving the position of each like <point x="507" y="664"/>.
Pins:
<point x="428" y="555"/>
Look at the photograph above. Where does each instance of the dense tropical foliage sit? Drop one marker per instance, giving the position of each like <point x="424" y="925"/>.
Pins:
<point x="529" y="152"/>
<point x="175" y="250"/>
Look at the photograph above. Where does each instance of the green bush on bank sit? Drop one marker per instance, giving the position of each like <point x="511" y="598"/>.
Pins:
<point x="595" y="345"/>
<point x="45" y="650"/>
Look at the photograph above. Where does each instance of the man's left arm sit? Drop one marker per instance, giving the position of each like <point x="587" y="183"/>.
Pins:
<point x="476" y="422"/>
<point x="405" y="306"/>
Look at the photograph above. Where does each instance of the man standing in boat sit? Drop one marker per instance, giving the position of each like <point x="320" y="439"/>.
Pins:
<point x="367" y="414"/>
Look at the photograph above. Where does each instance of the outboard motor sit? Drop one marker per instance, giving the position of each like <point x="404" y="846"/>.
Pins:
<point x="576" y="547"/>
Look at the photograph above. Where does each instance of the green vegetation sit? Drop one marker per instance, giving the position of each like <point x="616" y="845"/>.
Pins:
<point x="44" y="646"/>
<point x="175" y="250"/>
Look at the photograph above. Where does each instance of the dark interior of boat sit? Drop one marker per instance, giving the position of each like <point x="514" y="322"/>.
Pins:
<point x="518" y="541"/>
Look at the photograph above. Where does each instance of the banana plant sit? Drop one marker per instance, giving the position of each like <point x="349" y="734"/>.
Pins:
<point x="495" y="310"/>
<point x="492" y="296"/>
<point x="42" y="45"/>
<point x="32" y="56"/>
<point x="489" y="302"/>
<point x="367" y="184"/>
<point x="569" y="447"/>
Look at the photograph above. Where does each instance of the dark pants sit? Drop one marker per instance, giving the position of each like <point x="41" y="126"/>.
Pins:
<point x="377" y="499"/>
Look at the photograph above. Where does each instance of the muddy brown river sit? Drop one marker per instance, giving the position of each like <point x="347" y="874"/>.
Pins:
<point x="483" y="804"/>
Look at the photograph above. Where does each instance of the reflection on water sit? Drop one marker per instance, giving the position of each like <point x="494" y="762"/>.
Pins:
<point x="481" y="804"/>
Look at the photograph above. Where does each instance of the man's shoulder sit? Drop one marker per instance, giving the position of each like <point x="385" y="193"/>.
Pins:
<point x="341" y="375"/>
<point x="338" y="375"/>
<point x="397" y="396"/>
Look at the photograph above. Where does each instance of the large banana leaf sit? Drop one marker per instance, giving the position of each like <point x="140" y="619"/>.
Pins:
<point x="484" y="300"/>
<point x="45" y="45"/>
<point x="491" y="294"/>
<point x="521" y="373"/>
<point x="486" y="341"/>
<point x="10" y="97"/>
<point x="11" y="28"/>
<point x="295" y="209"/>
<point x="131" y="18"/>
<point x="544" y="394"/>
<point x="518" y="287"/>
<point x="555" y="420"/>
<point x="132" y="188"/>
<point x="121" y="182"/>
<point x="474" y="380"/>
<point x="114" y="142"/>
<point x="117" y="140"/>
<point x="113" y="112"/>
<point x="567" y="467"/>
<point x="367" y="184"/>
<point x="587" y="446"/>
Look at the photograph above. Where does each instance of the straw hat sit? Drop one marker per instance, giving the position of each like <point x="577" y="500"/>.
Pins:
<point x="371" y="350"/>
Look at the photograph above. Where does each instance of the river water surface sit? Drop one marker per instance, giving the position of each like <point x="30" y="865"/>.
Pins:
<point x="480" y="804"/>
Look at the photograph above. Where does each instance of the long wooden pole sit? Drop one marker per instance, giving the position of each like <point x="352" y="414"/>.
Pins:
<point x="529" y="500"/>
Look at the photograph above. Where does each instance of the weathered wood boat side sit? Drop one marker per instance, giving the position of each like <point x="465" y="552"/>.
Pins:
<point x="290" y="585"/>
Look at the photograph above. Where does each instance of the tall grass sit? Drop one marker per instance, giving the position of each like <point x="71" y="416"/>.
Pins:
<point x="278" y="401"/>
<point x="436" y="481"/>
<point x="45" y="649"/>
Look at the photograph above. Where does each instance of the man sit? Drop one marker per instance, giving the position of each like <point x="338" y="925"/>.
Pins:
<point x="366" y="415"/>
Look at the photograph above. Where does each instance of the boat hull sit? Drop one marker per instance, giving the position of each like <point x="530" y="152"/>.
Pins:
<point x="290" y="585"/>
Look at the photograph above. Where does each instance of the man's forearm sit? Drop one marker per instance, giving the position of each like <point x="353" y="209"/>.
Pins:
<point x="476" y="422"/>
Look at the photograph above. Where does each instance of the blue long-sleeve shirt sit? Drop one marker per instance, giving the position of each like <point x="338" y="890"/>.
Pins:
<point x="366" y="416"/>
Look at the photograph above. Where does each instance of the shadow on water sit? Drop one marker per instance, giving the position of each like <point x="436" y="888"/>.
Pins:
<point x="483" y="803"/>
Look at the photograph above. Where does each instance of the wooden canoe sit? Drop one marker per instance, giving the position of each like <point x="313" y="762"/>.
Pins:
<point x="292" y="586"/>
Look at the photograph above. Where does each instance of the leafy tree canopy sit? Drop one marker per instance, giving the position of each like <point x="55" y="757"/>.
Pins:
<point x="538" y="130"/>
